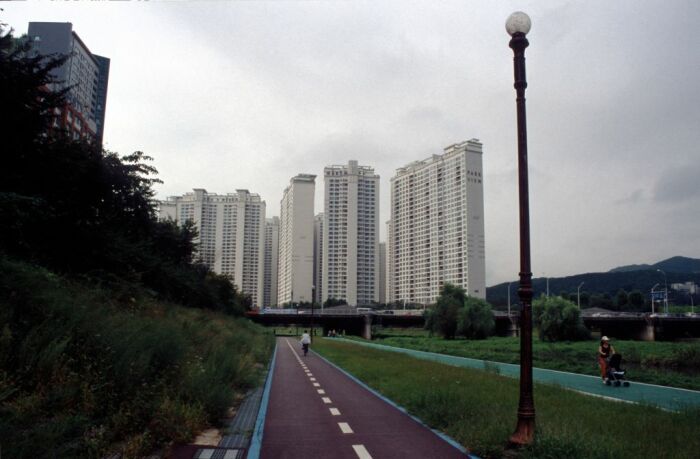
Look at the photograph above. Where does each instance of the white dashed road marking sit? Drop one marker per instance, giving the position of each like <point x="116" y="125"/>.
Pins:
<point x="335" y="411"/>
<point x="321" y="391"/>
<point x="361" y="452"/>
<point x="326" y="400"/>
<point x="317" y="384"/>
<point x="345" y="427"/>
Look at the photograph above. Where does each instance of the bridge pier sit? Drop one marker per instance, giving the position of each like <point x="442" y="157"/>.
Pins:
<point x="367" y="327"/>
<point x="514" y="326"/>
<point x="648" y="333"/>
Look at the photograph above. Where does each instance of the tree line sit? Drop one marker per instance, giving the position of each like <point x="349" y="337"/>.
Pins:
<point x="457" y="315"/>
<point x="82" y="211"/>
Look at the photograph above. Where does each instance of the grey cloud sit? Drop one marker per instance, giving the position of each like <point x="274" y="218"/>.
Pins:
<point x="680" y="184"/>
<point x="633" y="198"/>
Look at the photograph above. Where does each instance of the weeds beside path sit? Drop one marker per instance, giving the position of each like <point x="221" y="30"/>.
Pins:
<point x="85" y="375"/>
<point x="478" y="409"/>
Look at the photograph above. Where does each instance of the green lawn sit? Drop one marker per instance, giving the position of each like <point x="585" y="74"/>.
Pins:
<point x="478" y="409"/>
<point x="664" y="363"/>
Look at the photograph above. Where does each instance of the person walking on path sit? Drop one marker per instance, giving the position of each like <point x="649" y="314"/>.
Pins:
<point x="305" y="341"/>
<point x="605" y="351"/>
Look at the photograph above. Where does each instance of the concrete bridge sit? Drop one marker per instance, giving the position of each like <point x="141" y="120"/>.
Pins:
<point x="636" y="326"/>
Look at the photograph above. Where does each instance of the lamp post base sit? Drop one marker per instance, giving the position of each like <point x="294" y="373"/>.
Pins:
<point x="524" y="432"/>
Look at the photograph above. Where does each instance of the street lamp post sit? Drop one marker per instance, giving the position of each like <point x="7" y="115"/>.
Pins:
<point x="313" y="300"/>
<point x="578" y="295"/>
<point x="665" y="291"/>
<point x="517" y="26"/>
<point x="653" y="299"/>
<point x="692" y="304"/>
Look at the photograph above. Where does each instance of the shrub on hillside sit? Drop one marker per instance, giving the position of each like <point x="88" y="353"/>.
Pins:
<point x="475" y="320"/>
<point x="558" y="320"/>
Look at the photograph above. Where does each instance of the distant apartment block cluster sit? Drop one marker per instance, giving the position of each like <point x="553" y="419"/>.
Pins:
<point x="85" y="76"/>
<point x="231" y="234"/>
<point x="435" y="234"/>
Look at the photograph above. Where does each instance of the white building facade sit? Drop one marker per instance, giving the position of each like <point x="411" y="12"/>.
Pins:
<point x="388" y="274"/>
<point x="272" y="237"/>
<point x="296" y="241"/>
<point x="351" y="234"/>
<point x="436" y="231"/>
<point x="382" y="272"/>
<point x="318" y="258"/>
<point x="231" y="234"/>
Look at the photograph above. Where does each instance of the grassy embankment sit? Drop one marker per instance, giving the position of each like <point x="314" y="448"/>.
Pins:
<point x="478" y="409"/>
<point x="674" y="364"/>
<point x="84" y="375"/>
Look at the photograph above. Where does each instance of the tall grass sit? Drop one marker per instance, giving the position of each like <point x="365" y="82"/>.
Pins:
<point x="478" y="409"/>
<point x="82" y="375"/>
<point x="666" y="363"/>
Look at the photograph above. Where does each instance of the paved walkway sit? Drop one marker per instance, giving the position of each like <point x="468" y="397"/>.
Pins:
<point x="668" y="398"/>
<point x="317" y="411"/>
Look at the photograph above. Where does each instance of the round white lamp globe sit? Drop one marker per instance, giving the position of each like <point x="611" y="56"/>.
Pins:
<point x="518" y="22"/>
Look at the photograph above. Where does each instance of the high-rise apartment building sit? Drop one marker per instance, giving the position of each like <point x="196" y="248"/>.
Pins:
<point x="351" y="234"/>
<point x="437" y="225"/>
<point x="272" y="237"/>
<point x="231" y="230"/>
<point x="84" y="74"/>
<point x="296" y="251"/>
<point x="382" y="272"/>
<point x="389" y="264"/>
<point x="318" y="258"/>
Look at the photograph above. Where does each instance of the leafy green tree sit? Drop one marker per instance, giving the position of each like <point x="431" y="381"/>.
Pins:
<point x="622" y="300"/>
<point x="559" y="320"/>
<point x="636" y="300"/>
<point x="475" y="320"/>
<point x="442" y="318"/>
<point x="334" y="302"/>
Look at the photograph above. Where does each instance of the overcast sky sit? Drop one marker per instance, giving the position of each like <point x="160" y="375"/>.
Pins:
<point x="245" y="94"/>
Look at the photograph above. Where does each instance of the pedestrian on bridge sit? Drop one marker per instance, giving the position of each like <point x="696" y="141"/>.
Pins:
<point x="605" y="351"/>
<point x="305" y="341"/>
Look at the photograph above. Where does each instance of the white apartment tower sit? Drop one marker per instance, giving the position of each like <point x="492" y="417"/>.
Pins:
<point x="318" y="258"/>
<point x="382" y="272"/>
<point x="296" y="241"/>
<point x="350" y="234"/>
<point x="272" y="237"/>
<point x="231" y="231"/>
<point x="436" y="232"/>
<point x="389" y="264"/>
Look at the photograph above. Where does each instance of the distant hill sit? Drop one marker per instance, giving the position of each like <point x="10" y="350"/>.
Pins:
<point x="628" y="278"/>
<point x="673" y="264"/>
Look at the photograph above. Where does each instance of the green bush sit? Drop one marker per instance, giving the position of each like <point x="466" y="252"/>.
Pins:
<point x="457" y="314"/>
<point x="475" y="319"/>
<point x="442" y="318"/>
<point x="558" y="320"/>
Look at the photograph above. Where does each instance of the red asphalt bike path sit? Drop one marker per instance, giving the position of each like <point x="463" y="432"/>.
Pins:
<point x="316" y="411"/>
